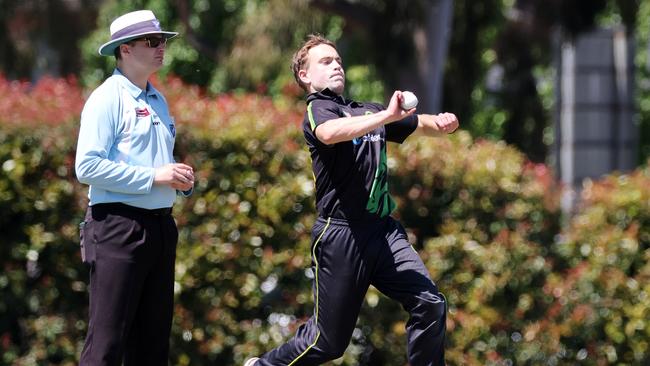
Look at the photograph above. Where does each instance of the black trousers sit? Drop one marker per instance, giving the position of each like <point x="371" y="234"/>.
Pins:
<point x="131" y="252"/>
<point x="347" y="259"/>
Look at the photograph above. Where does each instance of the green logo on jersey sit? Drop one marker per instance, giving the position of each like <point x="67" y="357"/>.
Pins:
<point x="380" y="202"/>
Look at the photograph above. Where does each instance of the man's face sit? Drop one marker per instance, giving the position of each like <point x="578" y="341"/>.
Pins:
<point x="323" y="69"/>
<point x="148" y="51"/>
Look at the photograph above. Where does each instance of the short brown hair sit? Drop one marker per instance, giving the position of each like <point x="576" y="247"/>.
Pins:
<point x="117" y="53"/>
<point x="300" y="57"/>
<point x="118" y="50"/>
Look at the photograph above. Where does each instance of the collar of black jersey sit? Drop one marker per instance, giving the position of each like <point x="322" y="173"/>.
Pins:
<point x="330" y="95"/>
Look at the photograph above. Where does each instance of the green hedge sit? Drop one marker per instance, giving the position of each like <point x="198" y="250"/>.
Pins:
<point x="602" y="302"/>
<point x="495" y="217"/>
<point x="485" y="221"/>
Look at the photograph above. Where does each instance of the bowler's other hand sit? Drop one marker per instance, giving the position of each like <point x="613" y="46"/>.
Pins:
<point x="177" y="175"/>
<point x="446" y="122"/>
<point x="394" y="110"/>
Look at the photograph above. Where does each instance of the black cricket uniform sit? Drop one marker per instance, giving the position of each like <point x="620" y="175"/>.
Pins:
<point x="355" y="244"/>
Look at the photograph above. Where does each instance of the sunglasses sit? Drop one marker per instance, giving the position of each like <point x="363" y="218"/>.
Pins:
<point x="153" y="42"/>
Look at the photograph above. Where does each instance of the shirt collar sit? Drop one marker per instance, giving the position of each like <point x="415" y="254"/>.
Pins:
<point x="330" y="95"/>
<point x="133" y="89"/>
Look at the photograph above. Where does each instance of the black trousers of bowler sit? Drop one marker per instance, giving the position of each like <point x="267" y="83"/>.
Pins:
<point x="131" y="285"/>
<point x="347" y="259"/>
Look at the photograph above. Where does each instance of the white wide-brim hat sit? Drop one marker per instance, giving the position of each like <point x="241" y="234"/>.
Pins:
<point x="131" y="26"/>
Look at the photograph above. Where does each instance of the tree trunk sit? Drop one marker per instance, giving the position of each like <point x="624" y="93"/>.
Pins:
<point x="431" y="63"/>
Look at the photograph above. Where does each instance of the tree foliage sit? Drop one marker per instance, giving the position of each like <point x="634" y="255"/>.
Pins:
<point x="39" y="38"/>
<point x="224" y="45"/>
<point x="498" y="76"/>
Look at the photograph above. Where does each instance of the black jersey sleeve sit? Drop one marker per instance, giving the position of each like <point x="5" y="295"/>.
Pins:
<point x="398" y="131"/>
<point x="321" y="111"/>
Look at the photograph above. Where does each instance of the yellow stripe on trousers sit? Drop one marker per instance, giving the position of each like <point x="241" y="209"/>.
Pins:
<point x="316" y="279"/>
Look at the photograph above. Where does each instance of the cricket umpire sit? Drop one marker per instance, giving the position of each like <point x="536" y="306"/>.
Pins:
<point x="128" y="236"/>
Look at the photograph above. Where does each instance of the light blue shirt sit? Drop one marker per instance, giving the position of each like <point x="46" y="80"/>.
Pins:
<point x="125" y="134"/>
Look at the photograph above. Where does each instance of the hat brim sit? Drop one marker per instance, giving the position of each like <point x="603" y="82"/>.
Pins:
<point x="108" y="48"/>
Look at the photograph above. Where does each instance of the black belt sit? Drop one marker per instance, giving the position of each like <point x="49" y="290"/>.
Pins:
<point x="121" y="206"/>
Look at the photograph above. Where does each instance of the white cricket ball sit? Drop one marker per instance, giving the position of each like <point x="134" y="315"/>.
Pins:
<point x="409" y="100"/>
